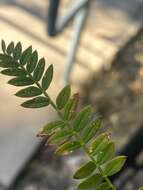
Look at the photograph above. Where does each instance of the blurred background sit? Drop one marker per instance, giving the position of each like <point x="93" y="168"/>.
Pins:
<point x="97" y="47"/>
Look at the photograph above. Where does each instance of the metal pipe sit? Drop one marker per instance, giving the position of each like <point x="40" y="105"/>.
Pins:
<point x="78" y="26"/>
<point x="56" y="23"/>
<point x="52" y="16"/>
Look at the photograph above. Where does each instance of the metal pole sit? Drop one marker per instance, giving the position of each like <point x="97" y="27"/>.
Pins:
<point x="52" y="17"/>
<point x="79" y="23"/>
<point x="72" y="12"/>
<point x="78" y="11"/>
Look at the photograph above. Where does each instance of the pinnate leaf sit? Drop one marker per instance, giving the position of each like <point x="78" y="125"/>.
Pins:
<point x="5" y="57"/>
<point x="63" y="97"/>
<point x="37" y="102"/>
<point x="38" y="72"/>
<point x="70" y="108"/>
<point x="68" y="147"/>
<point x="103" y="186"/>
<point x="60" y="136"/>
<point x="6" y="61"/>
<point x="21" y="81"/>
<point x="82" y="119"/>
<point x="106" y="153"/>
<point x="26" y="55"/>
<point x="91" y="129"/>
<point x="49" y="128"/>
<point x="99" y="143"/>
<point x="33" y="61"/>
<point x="46" y="81"/>
<point x="90" y="183"/>
<point x="85" y="170"/>
<point x="10" y="48"/>
<point x="17" y="51"/>
<point x="113" y="166"/>
<point x="29" y="92"/>
<point x="13" y="72"/>
<point x="3" y="45"/>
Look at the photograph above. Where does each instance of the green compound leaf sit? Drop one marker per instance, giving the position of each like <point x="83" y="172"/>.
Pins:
<point x="17" y="51"/>
<point x="68" y="147"/>
<point x="33" y="62"/>
<point x="90" y="183"/>
<point x="60" y="136"/>
<point x="10" y="48"/>
<point x="63" y="97"/>
<point x="5" y="57"/>
<point x="70" y="109"/>
<point x="26" y="56"/>
<point x="85" y="170"/>
<point x="11" y="64"/>
<point x="99" y="143"/>
<point x="37" y="102"/>
<point x="49" y="128"/>
<point x="113" y="166"/>
<point x="91" y="129"/>
<point x="14" y="72"/>
<point x="3" y="45"/>
<point x="46" y="81"/>
<point x="6" y="61"/>
<point x="29" y="92"/>
<point x="82" y="119"/>
<point x="84" y="125"/>
<point x="106" y="153"/>
<point x="103" y="186"/>
<point x="21" y="81"/>
<point x="38" y="72"/>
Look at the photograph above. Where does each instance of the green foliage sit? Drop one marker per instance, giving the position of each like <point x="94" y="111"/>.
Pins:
<point x="29" y="92"/>
<point x="63" y="97"/>
<point x="14" y="72"/>
<point x="3" y="45"/>
<point x="91" y="182"/>
<point x="60" y="136"/>
<point x="73" y="130"/>
<point x="39" y="70"/>
<point x="33" y="62"/>
<point x="51" y="128"/>
<point x="85" y="170"/>
<point x="113" y="166"/>
<point x="68" y="147"/>
<point x="21" y="81"/>
<point x="37" y="102"/>
<point x="70" y="108"/>
<point x="47" y="78"/>
<point x="82" y="119"/>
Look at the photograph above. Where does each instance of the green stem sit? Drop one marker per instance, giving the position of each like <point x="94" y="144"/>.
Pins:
<point x="74" y="132"/>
